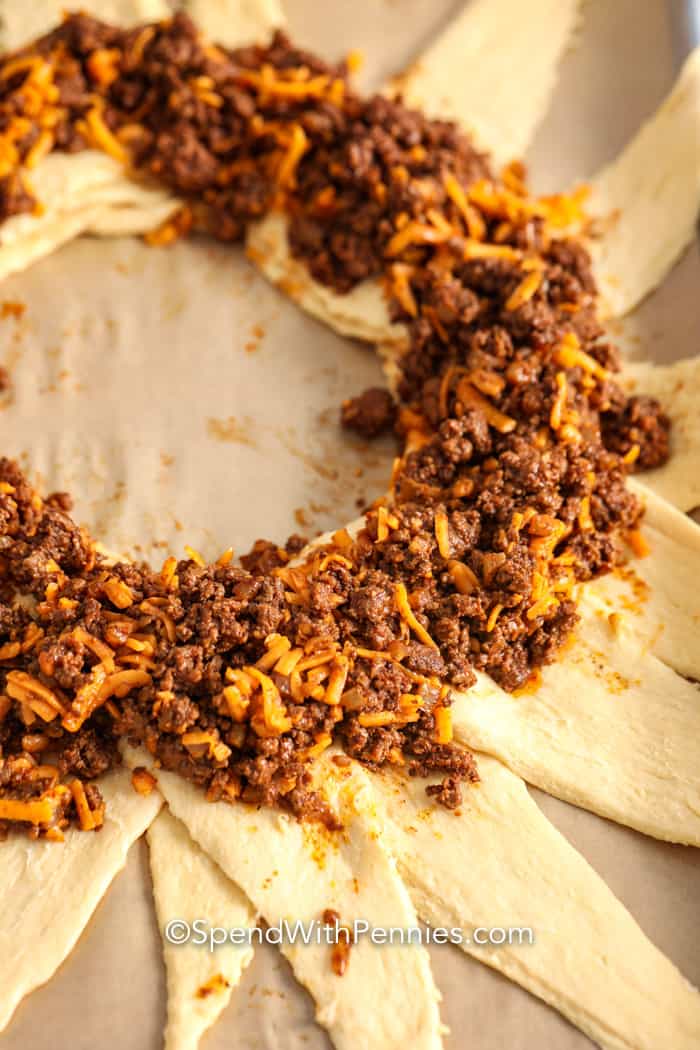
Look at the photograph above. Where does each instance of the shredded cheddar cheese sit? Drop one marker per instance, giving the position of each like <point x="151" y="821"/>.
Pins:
<point x="408" y="616"/>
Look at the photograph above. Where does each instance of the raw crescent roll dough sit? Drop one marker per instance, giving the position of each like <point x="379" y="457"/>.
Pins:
<point x="290" y="870"/>
<point x="188" y="885"/>
<point x="508" y="122"/>
<point x="609" y="727"/>
<point x="499" y="862"/>
<point x="677" y="387"/>
<point x="56" y="887"/>
<point x="658" y="594"/>
<point x="81" y="193"/>
<point x="90" y="192"/>
<point x="465" y="76"/>
<point x="228" y="22"/>
<point x="362" y="313"/>
<point x="648" y="198"/>
<point x="493" y="70"/>
<point x="22" y="22"/>
<point x="235" y="22"/>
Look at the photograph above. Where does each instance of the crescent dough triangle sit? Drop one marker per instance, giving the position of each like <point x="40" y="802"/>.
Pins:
<point x="55" y="888"/>
<point x="234" y="22"/>
<point x="609" y="728"/>
<point x="677" y="387"/>
<point x="657" y="594"/>
<point x="362" y="313"/>
<point x="467" y="74"/>
<point x="499" y="862"/>
<point x="83" y="193"/>
<point x="508" y="122"/>
<point x="188" y="885"/>
<point x="648" y="198"/>
<point x="295" y="871"/>
<point x="21" y="23"/>
<point x="90" y="192"/>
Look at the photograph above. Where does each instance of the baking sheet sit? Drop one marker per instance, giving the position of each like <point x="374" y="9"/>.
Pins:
<point x="182" y="400"/>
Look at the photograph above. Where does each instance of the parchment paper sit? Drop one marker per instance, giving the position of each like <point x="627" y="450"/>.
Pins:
<point x="182" y="400"/>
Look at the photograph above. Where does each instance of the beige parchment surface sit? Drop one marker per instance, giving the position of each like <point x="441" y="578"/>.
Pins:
<point x="182" y="400"/>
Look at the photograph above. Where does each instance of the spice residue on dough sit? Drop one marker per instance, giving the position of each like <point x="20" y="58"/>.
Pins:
<point x="257" y="333"/>
<point x="230" y="429"/>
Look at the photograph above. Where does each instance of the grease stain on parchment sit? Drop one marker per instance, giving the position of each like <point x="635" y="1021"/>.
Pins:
<point x="319" y="464"/>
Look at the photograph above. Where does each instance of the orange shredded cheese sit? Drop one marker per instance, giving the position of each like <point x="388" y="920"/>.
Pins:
<point x="298" y="145"/>
<point x="143" y="781"/>
<point x="87" y="699"/>
<point x="570" y="355"/>
<point x="476" y="226"/>
<point x="385" y="522"/>
<point x="35" y="811"/>
<point x="465" y="580"/>
<point x="585" y="521"/>
<point x="167" y="573"/>
<point x="637" y="542"/>
<point x="86" y="817"/>
<point x="151" y="607"/>
<point x="559" y="404"/>
<point x="443" y="725"/>
<point x="195" y="556"/>
<point x="102" y="65"/>
<point x="400" y="287"/>
<point x="524" y="291"/>
<point x="336" y="681"/>
<point x="237" y="703"/>
<point x="354" y="60"/>
<point x="171" y="230"/>
<point x="374" y="719"/>
<point x="270" y="717"/>
<point x="118" y="592"/>
<point x="498" y="420"/>
<point x="42" y="146"/>
<point x="277" y="645"/>
<point x="442" y="534"/>
<point x="415" y="233"/>
<point x="473" y="249"/>
<point x="103" y="652"/>
<point x="408" y="616"/>
<point x="100" y="136"/>
<point x="322" y="741"/>
<point x="26" y="689"/>
<point x="542" y="607"/>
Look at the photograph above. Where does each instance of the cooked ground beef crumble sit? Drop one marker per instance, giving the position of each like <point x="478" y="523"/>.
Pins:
<point x="509" y="492"/>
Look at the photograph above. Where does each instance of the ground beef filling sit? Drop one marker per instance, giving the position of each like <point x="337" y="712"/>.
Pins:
<point x="508" y="493"/>
<point x="369" y="414"/>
